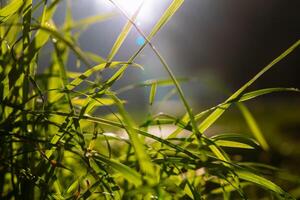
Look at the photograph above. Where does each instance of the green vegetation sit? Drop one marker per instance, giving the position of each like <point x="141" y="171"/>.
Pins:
<point x="55" y="145"/>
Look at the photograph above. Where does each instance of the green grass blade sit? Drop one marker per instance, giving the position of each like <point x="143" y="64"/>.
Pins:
<point x="171" y="10"/>
<point x="233" y="144"/>
<point x="237" y="139"/>
<point x="257" y="93"/>
<point x="122" y="36"/>
<point x="263" y="182"/>
<point x="52" y="30"/>
<point x="219" y="111"/>
<point x="41" y="37"/>
<point x="253" y="126"/>
<point x="89" y="72"/>
<point x="10" y="9"/>
<point x="143" y="159"/>
<point x="152" y="93"/>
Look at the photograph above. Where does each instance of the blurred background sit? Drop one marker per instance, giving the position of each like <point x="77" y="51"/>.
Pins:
<point x="218" y="46"/>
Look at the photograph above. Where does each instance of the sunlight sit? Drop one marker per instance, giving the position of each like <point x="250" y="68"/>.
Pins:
<point x="130" y="6"/>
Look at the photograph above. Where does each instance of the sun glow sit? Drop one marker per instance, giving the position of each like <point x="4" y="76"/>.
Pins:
<point x="130" y="7"/>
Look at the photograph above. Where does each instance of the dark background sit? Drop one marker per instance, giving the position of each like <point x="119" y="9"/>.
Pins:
<point x="239" y="37"/>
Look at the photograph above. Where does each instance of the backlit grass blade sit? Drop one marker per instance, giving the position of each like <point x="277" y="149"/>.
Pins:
<point x="257" y="93"/>
<point x="253" y="126"/>
<point x="219" y="152"/>
<point x="10" y="9"/>
<point x="122" y="36"/>
<point x="263" y="182"/>
<point x="219" y="111"/>
<point x="94" y="57"/>
<point x="90" y="72"/>
<point x="82" y="101"/>
<point x="143" y="159"/>
<point x="41" y="37"/>
<point x="152" y="93"/>
<point x="89" y="103"/>
<point x="233" y="144"/>
<point x="246" y="97"/>
<point x="235" y="140"/>
<point x="171" y="10"/>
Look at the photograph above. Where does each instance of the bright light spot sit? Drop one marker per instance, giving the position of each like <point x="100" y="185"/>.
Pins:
<point x="147" y="14"/>
<point x="130" y="7"/>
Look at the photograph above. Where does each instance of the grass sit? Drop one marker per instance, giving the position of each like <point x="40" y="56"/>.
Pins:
<point x="54" y="145"/>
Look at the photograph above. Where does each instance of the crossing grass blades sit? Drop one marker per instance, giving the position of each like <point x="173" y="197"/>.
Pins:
<point x="54" y="146"/>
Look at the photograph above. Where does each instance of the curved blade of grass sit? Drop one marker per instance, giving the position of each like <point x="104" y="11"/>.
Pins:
<point x="233" y="144"/>
<point x="259" y="180"/>
<point x="257" y="93"/>
<point x="219" y="111"/>
<point x="253" y="126"/>
<point x="235" y="138"/>
<point x="246" y="97"/>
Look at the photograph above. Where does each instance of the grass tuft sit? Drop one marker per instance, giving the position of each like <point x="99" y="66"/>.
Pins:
<point x="55" y="145"/>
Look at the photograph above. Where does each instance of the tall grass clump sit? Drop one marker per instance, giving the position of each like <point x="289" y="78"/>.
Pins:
<point x="53" y="145"/>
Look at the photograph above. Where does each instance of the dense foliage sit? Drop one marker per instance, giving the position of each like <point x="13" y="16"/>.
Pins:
<point x="55" y="145"/>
